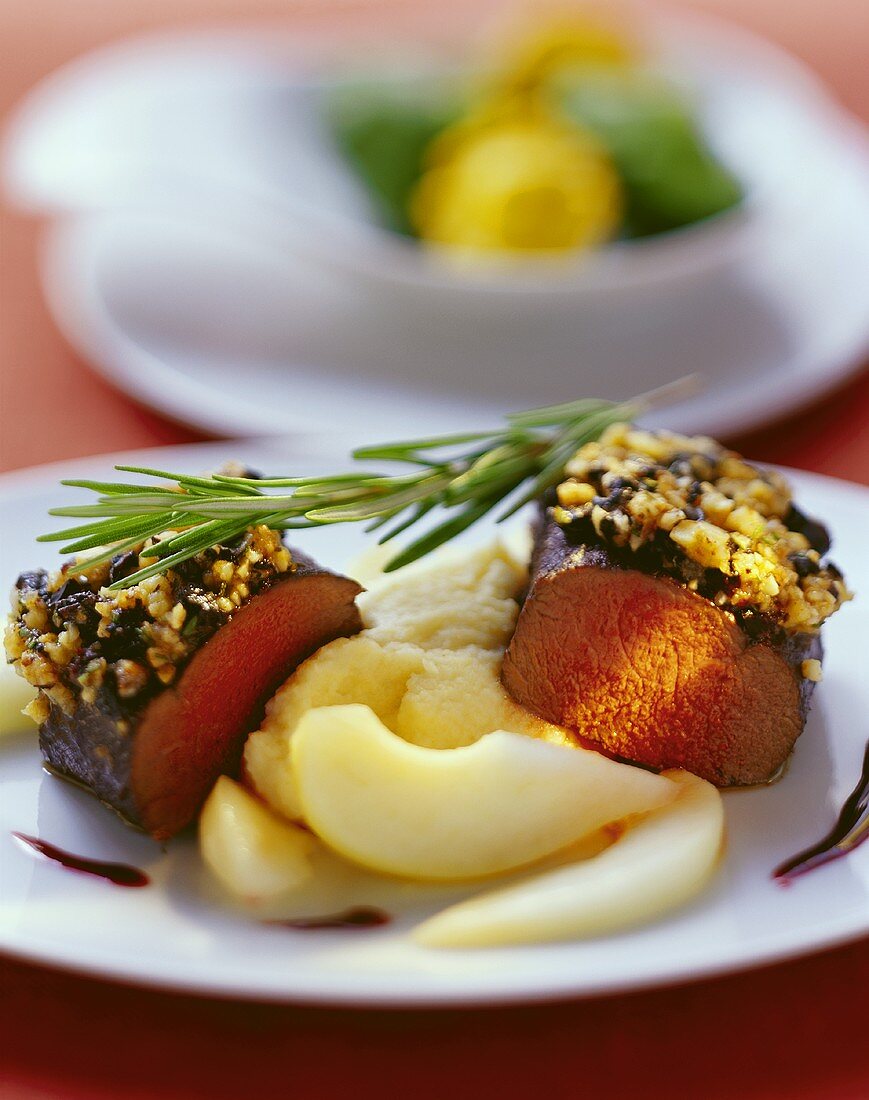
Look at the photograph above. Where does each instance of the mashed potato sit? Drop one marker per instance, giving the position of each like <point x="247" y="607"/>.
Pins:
<point x="427" y="662"/>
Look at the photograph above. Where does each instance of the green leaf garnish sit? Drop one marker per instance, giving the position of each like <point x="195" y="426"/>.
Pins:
<point x="465" y="476"/>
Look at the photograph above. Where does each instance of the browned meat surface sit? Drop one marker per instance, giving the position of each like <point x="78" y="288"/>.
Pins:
<point x="651" y="671"/>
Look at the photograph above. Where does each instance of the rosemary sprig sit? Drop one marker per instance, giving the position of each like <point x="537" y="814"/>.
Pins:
<point x="465" y="476"/>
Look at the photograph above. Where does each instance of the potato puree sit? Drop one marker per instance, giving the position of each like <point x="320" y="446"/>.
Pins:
<point x="427" y="663"/>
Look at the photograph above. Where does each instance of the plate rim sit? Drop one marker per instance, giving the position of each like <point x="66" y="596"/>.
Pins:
<point x="434" y="998"/>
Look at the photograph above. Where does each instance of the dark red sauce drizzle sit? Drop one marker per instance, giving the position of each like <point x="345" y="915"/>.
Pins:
<point x="120" y="874"/>
<point x="850" y="830"/>
<point x="360" y="916"/>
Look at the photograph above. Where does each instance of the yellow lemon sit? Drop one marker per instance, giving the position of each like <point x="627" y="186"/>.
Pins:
<point x="525" y="182"/>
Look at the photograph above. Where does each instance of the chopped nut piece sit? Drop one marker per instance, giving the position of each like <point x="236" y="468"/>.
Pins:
<point x="575" y="492"/>
<point x="38" y="709"/>
<point x="131" y="677"/>
<point x="704" y="543"/>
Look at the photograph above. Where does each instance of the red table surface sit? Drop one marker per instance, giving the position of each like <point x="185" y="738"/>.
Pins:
<point x="795" y="1030"/>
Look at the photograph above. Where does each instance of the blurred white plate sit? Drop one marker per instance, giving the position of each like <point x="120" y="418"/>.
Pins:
<point x="178" y="933"/>
<point x="235" y="337"/>
<point x="233" y="279"/>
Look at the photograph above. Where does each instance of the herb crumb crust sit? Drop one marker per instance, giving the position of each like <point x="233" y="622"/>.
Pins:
<point x="71" y="637"/>
<point x="689" y="508"/>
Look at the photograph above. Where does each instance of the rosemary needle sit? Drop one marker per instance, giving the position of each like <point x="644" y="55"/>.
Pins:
<point x="465" y="476"/>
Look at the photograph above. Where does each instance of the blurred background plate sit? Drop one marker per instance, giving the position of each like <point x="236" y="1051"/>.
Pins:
<point x="233" y="336"/>
<point x="218" y="263"/>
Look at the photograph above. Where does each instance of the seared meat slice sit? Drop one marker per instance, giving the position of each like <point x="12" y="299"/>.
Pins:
<point x="147" y="694"/>
<point x="675" y="607"/>
<point x="651" y="671"/>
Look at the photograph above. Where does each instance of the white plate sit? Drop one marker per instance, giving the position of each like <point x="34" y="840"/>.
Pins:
<point x="176" y="933"/>
<point x="218" y="264"/>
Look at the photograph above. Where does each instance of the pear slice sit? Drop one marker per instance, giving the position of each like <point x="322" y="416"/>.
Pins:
<point x="254" y="855"/>
<point x="15" y="695"/>
<point x="658" y="864"/>
<point x="500" y="803"/>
